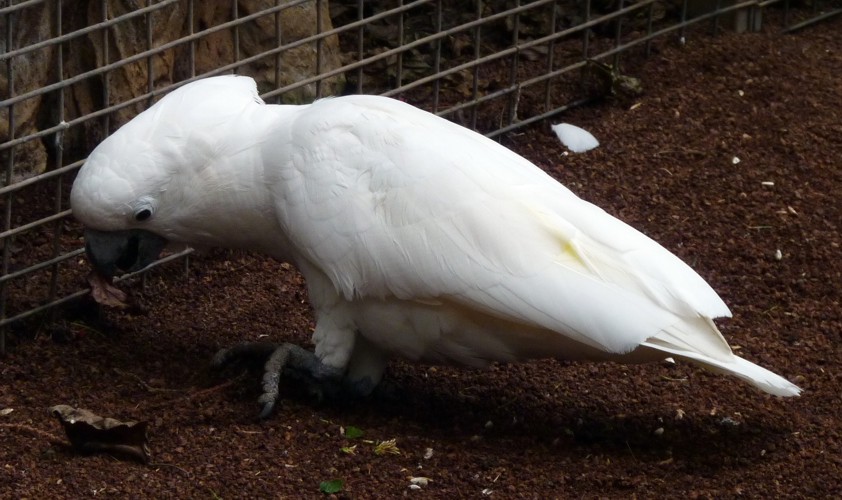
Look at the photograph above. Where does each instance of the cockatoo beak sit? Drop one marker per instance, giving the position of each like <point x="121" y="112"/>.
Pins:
<point x="129" y="250"/>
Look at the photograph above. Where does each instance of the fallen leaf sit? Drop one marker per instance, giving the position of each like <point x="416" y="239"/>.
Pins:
<point x="351" y="432"/>
<point x="104" y="292"/>
<point x="90" y="433"/>
<point x="330" y="487"/>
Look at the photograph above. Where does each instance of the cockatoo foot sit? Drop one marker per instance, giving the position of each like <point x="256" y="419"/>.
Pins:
<point x="282" y="360"/>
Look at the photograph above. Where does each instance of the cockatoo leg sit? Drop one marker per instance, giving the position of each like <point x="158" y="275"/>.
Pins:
<point x="283" y="360"/>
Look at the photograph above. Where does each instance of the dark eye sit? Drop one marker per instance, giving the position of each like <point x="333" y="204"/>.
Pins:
<point x="142" y="214"/>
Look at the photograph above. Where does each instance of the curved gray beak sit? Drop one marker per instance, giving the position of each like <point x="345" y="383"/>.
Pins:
<point x="129" y="250"/>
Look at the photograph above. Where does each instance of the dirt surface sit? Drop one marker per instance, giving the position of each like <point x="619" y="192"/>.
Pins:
<point x="538" y="430"/>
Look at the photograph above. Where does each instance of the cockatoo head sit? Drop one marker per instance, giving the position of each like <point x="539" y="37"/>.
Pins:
<point x="138" y="189"/>
<point x="117" y="204"/>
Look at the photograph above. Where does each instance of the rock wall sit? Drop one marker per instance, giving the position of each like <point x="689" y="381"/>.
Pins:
<point x="30" y="71"/>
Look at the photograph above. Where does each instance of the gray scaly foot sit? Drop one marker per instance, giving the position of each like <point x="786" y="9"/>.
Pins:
<point x="282" y="360"/>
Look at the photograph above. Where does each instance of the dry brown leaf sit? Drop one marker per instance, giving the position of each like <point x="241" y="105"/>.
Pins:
<point x="104" y="292"/>
<point x="90" y="433"/>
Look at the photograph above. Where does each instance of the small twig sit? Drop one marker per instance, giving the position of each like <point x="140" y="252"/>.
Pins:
<point x="163" y="464"/>
<point x="216" y="388"/>
<point x="87" y="328"/>
<point x="243" y="431"/>
<point x="631" y="451"/>
<point x="198" y="394"/>
<point x="52" y="438"/>
<point x="767" y="312"/>
<point x="143" y="383"/>
<point x="680" y="151"/>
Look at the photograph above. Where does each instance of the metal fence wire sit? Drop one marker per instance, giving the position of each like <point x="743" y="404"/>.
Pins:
<point x="73" y="72"/>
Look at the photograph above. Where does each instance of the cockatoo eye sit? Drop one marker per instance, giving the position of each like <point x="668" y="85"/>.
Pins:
<point x="143" y="208"/>
<point x="143" y="214"/>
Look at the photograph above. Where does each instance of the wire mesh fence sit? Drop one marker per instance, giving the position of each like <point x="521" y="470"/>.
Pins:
<point x="73" y="72"/>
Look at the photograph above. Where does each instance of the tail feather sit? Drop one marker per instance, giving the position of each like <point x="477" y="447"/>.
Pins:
<point x="755" y="375"/>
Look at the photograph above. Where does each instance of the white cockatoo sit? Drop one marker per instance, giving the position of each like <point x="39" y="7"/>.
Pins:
<point x="417" y="237"/>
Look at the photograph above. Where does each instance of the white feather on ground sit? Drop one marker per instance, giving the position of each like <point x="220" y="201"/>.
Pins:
<point x="416" y="236"/>
<point x="577" y="140"/>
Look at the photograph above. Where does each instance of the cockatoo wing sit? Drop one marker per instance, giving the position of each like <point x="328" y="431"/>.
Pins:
<point x="389" y="201"/>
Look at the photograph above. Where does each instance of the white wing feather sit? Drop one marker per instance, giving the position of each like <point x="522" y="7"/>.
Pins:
<point x="574" y="138"/>
<point x="390" y="202"/>
<point x="383" y="213"/>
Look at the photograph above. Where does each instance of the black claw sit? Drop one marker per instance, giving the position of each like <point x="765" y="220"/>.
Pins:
<point x="266" y="411"/>
<point x="267" y="408"/>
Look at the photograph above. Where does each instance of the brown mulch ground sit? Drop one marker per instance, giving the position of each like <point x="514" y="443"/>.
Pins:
<point x="541" y="429"/>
